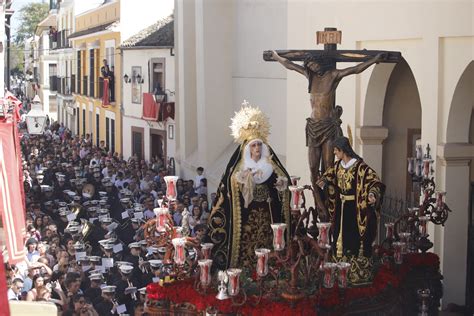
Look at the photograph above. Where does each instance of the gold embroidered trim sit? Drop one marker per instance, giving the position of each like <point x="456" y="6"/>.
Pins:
<point x="236" y="216"/>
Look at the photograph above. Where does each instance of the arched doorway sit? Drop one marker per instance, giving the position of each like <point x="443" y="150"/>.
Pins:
<point x="402" y="117"/>
<point x="456" y="168"/>
<point x="390" y="127"/>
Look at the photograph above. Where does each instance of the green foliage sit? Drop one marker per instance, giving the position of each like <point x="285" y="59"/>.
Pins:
<point x="17" y="62"/>
<point x="30" y="16"/>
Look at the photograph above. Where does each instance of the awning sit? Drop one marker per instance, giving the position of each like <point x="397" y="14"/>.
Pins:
<point x="50" y="20"/>
<point x="94" y="29"/>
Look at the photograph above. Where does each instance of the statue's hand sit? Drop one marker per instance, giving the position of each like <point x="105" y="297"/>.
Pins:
<point x="281" y="183"/>
<point x="320" y="183"/>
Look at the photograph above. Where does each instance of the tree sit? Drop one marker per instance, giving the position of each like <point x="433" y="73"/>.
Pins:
<point x="30" y="16"/>
<point x="17" y="59"/>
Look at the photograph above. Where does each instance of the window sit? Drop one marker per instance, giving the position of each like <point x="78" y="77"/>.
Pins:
<point x="91" y="72"/>
<point x="91" y="128"/>
<point x="76" y="113"/>
<point x="79" y="72"/>
<point x="136" y="85"/>
<point x="157" y="76"/>
<point x="84" y="122"/>
<point x="112" y="136"/>
<point x="137" y="142"/>
<point x="110" y="56"/>
<point x="107" y="132"/>
<point x="53" y="77"/>
<point x="97" y="128"/>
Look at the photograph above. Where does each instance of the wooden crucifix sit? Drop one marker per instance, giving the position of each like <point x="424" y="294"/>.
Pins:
<point x="319" y="67"/>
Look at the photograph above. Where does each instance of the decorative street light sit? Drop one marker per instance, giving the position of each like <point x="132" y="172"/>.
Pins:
<point x="36" y="118"/>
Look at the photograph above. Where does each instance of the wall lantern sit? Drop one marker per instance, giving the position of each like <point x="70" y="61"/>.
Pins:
<point x="126" y="79"/>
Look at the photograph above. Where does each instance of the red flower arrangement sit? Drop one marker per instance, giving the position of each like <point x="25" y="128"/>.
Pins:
<point x="183" y="291"/>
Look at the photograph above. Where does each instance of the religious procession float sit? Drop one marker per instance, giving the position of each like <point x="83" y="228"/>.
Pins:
<point x="267" y="252"/>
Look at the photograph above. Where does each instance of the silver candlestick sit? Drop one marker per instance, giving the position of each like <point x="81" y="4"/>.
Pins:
<point x="222" y="288"/>
<point x="424" y="295"/>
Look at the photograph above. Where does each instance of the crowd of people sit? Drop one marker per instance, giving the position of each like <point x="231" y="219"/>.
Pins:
<point x="86" y="209"/>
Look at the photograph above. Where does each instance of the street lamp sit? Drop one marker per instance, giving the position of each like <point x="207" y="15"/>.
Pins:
<point x="36" y="118"/>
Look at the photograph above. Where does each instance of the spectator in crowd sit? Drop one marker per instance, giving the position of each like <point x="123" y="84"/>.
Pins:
<point x="14" y="292"/>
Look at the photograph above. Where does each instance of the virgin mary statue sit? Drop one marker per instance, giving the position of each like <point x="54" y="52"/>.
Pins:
<point x="252" y="195"/>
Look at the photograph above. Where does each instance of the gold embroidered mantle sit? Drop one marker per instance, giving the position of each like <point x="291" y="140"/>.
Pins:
<point x="340" y="182"/>
<point x="236" y="230"/>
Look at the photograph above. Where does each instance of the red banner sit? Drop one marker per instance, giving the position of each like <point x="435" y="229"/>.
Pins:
<point x="167" y="111"/>
<point x="11" y="191"/>
<point x="5" y="310"/>
<point x="150" y="107"/>
<point x="106" y="97"/>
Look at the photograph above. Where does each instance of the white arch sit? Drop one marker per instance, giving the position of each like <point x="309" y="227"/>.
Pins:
<point x="375" y="95"/>
<point x="455" y="156"/>
<point x="462" y="103"/>
<point x="376" y="92"/>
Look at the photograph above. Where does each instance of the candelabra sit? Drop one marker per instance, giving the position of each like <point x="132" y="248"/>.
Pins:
<point x="432" y="207"/>
<point x="301" y="255"/>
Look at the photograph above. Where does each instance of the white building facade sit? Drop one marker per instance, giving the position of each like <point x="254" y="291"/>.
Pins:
<point x="65" y="55"/>
<point x="67" y="61"/>
<point x="47" y="65"/>
<point x="427" y="96"/>
<point x="148" y="74"/>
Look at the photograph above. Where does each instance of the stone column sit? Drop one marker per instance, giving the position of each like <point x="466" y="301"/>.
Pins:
<point x="371" y="139"/>
<point x="451" y="240"/>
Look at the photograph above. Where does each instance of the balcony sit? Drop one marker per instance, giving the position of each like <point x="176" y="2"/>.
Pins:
<point x="108" y="86"/>
<point x="62" y="39"/>
<point x="155" y="108"/>
<point x="63" y="86"/>
<point x="101" y="87"/>
<point x="53" y="39"/>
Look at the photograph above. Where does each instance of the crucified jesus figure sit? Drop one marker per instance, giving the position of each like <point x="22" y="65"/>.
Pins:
<point x="324" y="124"/>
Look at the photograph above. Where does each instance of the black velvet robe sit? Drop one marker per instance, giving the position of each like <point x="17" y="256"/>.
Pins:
<point x="237" y="231"/>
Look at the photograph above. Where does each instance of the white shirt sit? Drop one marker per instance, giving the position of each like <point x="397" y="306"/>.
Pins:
<point x="11" y="295"/>
<point x="105" y="172"/>
<point x="96" y="164"/>
<point x="148" y="214"/>
<point x="119" y="183"/>
<point x="33" y="256"/>
<point x="197" y="182"/>
<point x="349" y="164"/>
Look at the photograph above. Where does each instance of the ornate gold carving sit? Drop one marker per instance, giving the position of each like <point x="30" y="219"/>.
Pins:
<point x="261" y="193"/>
<point x="361" y="271"/>
<point x="345" y="177"/>
<point x="256" y="233"/>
